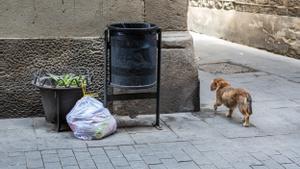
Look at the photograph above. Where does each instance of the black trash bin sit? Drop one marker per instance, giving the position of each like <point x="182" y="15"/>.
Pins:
<point x="133" y="55"/>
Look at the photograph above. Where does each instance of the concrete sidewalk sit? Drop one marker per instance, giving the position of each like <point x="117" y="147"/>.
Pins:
<point x="205" y="139"/>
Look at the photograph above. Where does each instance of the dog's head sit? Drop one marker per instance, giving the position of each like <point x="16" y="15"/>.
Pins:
<point x="218" y="83"/>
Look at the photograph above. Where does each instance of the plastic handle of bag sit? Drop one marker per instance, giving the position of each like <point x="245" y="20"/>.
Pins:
<point x="83" y="88"/>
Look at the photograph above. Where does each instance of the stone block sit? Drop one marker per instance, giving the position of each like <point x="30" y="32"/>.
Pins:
<point x="123" y="11"/>
<point x="168" y="14"/>
<point x="80" y="18"/>
<point x="15" y="18"/>
<point x="49" y="19"/>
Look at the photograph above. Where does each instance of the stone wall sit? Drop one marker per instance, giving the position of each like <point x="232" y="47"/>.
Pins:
<point x="272" y="7"/>
<point x="273" y="25"/>
<point x="81" y="18"/>
<point x="53" y="33"/>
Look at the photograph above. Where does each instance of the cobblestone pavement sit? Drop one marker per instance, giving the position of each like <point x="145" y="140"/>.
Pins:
<point x="200" y="140"/>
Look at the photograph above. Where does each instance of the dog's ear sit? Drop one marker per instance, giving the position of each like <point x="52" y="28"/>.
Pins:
<point x="213" y="85"/>
<point x="221" y="84"/>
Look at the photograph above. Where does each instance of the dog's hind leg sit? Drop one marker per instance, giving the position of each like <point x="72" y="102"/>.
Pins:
<point x="246" y="122"/>
<point x="246" y="115"/>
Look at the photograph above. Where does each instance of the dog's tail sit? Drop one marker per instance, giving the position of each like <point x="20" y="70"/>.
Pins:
<point x="249" y="103"/>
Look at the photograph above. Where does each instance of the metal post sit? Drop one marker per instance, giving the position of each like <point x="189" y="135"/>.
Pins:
<point x="157" y="125"/>
<point x="58" y="114"/>
<point x="105" y="68"/>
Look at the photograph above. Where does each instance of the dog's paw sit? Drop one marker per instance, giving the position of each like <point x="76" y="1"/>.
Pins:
<point x="228" y="115"/>
<point x="215" y="107"/>
<point x="246" y="124"/>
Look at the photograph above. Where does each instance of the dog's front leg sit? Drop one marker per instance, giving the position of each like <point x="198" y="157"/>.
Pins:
<point x="216" y="105"/>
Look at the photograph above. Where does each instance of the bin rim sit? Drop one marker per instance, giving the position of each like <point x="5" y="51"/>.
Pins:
<point x="116" y="26"/>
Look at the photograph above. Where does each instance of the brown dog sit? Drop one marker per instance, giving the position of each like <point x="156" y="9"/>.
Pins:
<point x="231" y="98"/>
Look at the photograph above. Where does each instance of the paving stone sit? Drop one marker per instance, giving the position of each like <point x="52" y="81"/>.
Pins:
<point x="71" y="167"/>
<point x="296" y="160"/>
<point x="15" y="167"/>
<point x="48" y="152"/>
<point x="80" y="149"/>
<point x="144" y="150"/>
<point x="196" y="156"/>
<point x="157" y="166"/>
<point x="133" y="157"/>
<point x="96" y="151"/>
<point x="65" y="153"/>
<point x="170" y="163"/>
<point x="289" y="153"/>
<point x="260" y="156"/>
<point x="138" y="165"/>
<point x="271" y="152"/>
<point x="55" y="165"/>
<point x="127" y="149"/>
<point x="272" y="164"/>
<point x="181" y="156"/>
<point x="241" y="165"/>
<point x="88" y="163"/>
<point x="114" y="153"/>
<point x="106" y="148"/>
<point x="82" y="156"/>
<point x="291" y="166"/>
<point x="151" y="159"/>
<point x="260" y="167"/>
<point x="50" y="158"/>
<point x="217" y="159"/>
<point x="101" y="158"/>
<point x="68" y="161"/>
<point x="157" y="147"/>
<point x="124" y="167"/>
<point x="17" y="160"/>
<point x="208" y="166"/>
<point x="163" y="155"/>
<point x="13" y="154"/>
<point x="281" y="159"/>
<point x="119" y="161"/>
<point x="35" y="163"/>
<point x="104" y="165"/>
<point x="188" y="165"/>
<point x="33" y="155"/>
<point x="250" y="160"/>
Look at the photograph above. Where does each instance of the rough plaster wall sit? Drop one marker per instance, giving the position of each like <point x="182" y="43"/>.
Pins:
<point x="273" y="25"/>
<point x="18" y="57"/>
